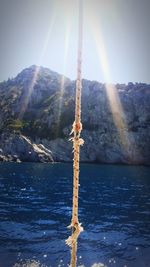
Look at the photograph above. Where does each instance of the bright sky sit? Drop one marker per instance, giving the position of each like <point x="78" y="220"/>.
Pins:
<point x="44" y="32"/>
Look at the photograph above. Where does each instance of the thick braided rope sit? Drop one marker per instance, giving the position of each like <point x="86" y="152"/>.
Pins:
<point x="74" y="255"/>
<point x="77" y="141"/>
<point x="77" y="126"/>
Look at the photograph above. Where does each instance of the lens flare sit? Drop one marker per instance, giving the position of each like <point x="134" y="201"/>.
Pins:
<point x="118" y="114"/>
<point x="62" y="83"/>
<point x="28" y="93"/>
<point x="47" y="39"/>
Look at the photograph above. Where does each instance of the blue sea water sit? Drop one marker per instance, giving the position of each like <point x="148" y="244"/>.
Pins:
<point x="35" y="210"/>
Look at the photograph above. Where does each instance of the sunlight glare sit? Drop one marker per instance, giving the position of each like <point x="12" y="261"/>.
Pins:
<point x="68" y="25"/>
<point x="36" y="72"/>
<point x="28" y="93"/>
<point x="111" y="91"/>
<point x="62" y="84"/>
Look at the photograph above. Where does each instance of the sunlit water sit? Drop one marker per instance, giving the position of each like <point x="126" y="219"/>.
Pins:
<point x="35" y="209"/>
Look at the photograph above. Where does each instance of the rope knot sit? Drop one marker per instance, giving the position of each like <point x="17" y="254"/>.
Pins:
<point x="77" y="229"/>
<point x="76" y="128"/>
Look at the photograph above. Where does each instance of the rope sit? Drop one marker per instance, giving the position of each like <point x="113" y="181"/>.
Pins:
<point x="77" y="141"/>
<point x="73" y="255"/>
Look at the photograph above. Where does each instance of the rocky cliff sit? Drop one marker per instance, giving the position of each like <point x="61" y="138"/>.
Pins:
<point x="37" y="111"/>
<point x="16" y="147"/>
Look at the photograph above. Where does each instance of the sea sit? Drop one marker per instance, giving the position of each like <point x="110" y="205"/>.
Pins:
<point x="36" y="206"/>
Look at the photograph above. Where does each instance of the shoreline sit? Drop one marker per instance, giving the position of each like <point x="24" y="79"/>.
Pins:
<point x="81" y="162"/>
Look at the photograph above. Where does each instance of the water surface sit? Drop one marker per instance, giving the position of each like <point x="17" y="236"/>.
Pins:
<point x="35" y="209"/>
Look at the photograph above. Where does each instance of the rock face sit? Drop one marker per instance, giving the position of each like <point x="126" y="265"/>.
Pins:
<point x="16" y="147"/>
<point x="39" y="105"/>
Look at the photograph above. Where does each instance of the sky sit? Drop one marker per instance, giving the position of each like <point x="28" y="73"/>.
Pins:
<point x="116" y="39"/>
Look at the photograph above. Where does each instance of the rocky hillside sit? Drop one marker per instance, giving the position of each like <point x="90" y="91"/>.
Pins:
<point x="37" y="111"/>
<point x="17" y="147"/>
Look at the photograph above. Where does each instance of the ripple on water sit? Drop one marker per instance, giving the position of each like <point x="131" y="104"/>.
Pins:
<point x="36" y="205"/>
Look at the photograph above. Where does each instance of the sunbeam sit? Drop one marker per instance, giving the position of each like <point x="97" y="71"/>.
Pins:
<point x="47" y="39"/>
<point x="62" y="83"/>
<point x="28" y="93"/>
<point x="118" y="114"/>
